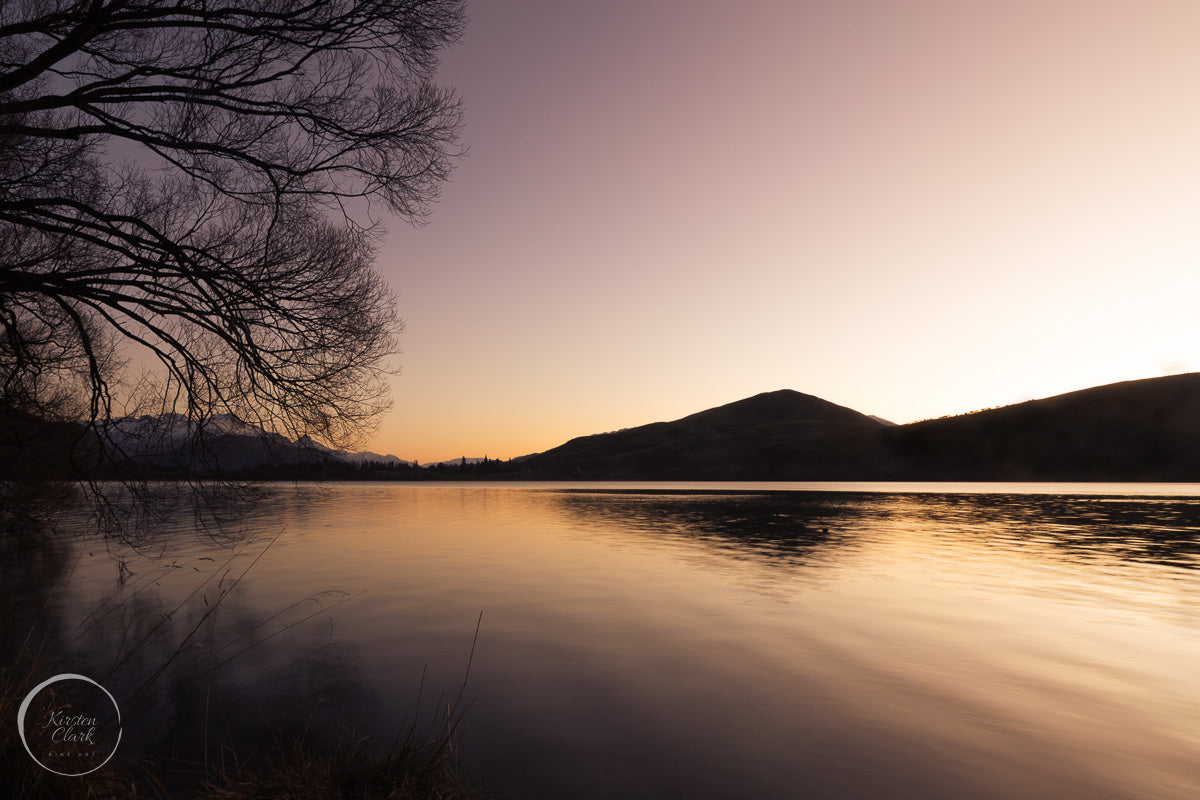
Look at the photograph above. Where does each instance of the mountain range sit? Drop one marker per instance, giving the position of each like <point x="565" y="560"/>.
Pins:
<point x="1143" y="430"/>
<point x="222" y="442"/>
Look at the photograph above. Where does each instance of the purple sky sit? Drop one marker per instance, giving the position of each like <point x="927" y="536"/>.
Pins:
<point x="911" y="207"/>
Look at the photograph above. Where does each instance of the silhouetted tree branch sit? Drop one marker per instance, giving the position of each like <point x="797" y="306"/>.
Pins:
<point x="191" y="180"/>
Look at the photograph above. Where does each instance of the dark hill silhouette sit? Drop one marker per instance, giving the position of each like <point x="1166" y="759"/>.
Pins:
<point x="1144" y="430"/>
<point x="783" y="435"/>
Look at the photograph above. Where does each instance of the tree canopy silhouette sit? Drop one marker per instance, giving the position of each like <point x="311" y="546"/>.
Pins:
<point x="197" y="181"/>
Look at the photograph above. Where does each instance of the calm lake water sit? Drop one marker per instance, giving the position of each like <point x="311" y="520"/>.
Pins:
<point x="639" y="640"/>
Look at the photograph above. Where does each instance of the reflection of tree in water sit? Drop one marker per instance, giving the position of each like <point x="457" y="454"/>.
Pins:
<point x="194" y="678"/>
<point x="30" y="570"/>
<point x="1154" y="530"/>
<point x="774" y="528"/>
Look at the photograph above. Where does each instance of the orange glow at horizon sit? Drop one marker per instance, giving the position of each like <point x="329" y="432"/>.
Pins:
<point x="914" y="209"/>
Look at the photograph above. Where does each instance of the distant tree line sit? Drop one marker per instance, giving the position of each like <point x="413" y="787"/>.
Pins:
<point x="332" y="469"/>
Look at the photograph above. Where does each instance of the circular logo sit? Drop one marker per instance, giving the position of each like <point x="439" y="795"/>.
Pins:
<point x="70" y="725"/>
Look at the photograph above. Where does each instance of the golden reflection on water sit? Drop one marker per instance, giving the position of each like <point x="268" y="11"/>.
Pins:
<point x="839" y="644"/>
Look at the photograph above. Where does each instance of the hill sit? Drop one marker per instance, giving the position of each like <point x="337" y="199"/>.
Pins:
<point x="1144" y="430"/>
<point x="783" y="435"/>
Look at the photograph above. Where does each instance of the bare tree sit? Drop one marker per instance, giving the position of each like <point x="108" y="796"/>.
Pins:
<point x="197" y="181"/>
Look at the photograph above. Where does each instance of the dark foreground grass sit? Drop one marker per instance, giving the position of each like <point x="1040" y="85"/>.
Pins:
<point x="410" y="771"/>
<point x="422" y="764"/>
<point x="21" y="777"/>
<point x="416" y="768"/>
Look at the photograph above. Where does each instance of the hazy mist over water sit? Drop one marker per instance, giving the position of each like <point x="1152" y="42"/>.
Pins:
<point x="655" y="640"/>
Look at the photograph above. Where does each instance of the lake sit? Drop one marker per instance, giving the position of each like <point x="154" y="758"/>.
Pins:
<point x="671" y="640"/>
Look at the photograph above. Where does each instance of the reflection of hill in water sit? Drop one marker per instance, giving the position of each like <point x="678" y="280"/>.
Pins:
<point x="791" y="527"/>
<point x="780" y="527"/>
<point x="1155" y="530"/>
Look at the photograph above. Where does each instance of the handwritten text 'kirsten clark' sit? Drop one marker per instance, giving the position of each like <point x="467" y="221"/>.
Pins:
<point x="79" y="728"/>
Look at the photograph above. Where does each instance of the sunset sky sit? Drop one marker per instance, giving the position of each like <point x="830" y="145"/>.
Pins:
<point x="908" y="207"/>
